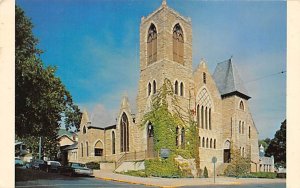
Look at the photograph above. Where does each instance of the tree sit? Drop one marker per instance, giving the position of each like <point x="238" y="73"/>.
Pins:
<point x="41" y="98"/>
<point x="239" y="165"/>
<point x="264" y="142"/>
<point x="277" y="147"/>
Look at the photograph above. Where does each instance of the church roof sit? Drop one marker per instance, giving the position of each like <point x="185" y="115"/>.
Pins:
<point x="62" y="132"/>
<point x="228" y="80"/>
<point x="99" y="123"/>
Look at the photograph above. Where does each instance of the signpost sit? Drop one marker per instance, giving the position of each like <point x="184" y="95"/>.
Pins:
<point x="214" y="160"/>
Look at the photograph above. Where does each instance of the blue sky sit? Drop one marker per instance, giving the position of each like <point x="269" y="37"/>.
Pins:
<point x="94" y="45"/>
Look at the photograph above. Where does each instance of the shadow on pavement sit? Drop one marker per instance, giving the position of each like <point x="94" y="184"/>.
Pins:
<point x="31" y="175"/>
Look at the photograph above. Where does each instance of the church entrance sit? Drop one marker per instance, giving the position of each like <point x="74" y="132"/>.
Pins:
<point x="226" y="154"/>
<point x="150" y="141"/>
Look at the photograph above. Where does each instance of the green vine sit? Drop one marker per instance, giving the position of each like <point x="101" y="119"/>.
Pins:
<point x="165" y="120"/>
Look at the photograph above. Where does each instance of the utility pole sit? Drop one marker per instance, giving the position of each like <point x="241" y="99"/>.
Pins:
<point x="40" y="148"/>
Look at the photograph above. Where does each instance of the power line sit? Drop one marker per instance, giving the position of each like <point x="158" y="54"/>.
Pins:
<point x="266" y="76"/>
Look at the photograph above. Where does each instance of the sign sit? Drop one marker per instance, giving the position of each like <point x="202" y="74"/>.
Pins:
<point x="214" y="160"/>
<point x="164" y="153"/>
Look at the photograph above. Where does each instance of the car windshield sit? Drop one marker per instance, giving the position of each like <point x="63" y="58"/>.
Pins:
<point x="54" y="163"/>
<point x="78" y="165"/>
<point x="19" y="162"/>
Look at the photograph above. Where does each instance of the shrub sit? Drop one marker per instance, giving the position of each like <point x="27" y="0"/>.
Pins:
<point x="239" y="166"/>
<point x="162" y="168"/>
<point x="205" y="173"/>
<point x="139" y="173"/>
<point x="93" y="165"/>
<point x="270" y="175"/>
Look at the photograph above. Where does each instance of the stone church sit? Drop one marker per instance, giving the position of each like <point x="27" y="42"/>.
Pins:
<point x="220" y="101"/>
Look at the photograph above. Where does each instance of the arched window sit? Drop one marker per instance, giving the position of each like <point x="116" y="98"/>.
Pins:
<point x="149" y="89"/>
<point x="152" y="44"/>
<point x="81" y="149"/>
<point x="242" y="105"/>
<point x="178" y="41"/>
<point x="176" y="87"/>
<point x="243" y="127"/>
<point x="215" y="143"/>
<point x="249" y="132"/>
<point x="124" y="133"/>
<point x="210" y="143"/>
<point x="182" y="138"/>
<point x="203" y="142"/>
<point x="202" y="117"/>
<point x="154" y="86"/>
<point x="198" y="114"/>
<point x="87" y="149"/>
<point x="181" y="89"/>
<point x="84" y="130"/>
<point x="98" y="149"/>
<point x="113" y="142"/>
<point x="205" y="117"/>
<point x="206" y="142"/>
<point x="177" y="135"/>
<point x="209" y="118"/>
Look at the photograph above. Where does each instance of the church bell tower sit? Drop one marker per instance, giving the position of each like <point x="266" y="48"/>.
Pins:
<point x="165" y="52"/>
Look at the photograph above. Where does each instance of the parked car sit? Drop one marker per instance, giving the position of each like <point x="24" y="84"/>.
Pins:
<point x="35" y="164"/>
<point x="19" y="163"/>
<point x="73" y="169"/>
<point x="50" y="166"/>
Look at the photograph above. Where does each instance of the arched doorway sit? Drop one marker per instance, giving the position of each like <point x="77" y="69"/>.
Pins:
<point x="150" y="140"/>
<point x="226" y="154"/>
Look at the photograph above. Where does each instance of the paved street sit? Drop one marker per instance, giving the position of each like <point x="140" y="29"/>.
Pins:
<point x="74" y="182"/>
<point x="34" y="178"/>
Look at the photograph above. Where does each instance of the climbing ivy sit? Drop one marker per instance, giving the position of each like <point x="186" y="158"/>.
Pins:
<point x="166" y="115"/>
<point x="163" y="121"/>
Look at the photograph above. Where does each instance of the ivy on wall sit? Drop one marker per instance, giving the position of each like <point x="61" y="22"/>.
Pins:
<point x="166" y="115"/>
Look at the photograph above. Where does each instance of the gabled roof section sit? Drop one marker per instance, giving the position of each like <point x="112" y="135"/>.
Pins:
<point x="229" y="81"/>
<point x="165" y="6"/>
<point x="62" y="132"/>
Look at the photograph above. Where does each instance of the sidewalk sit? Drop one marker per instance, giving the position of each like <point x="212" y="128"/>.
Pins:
<point x="179" y="182"/>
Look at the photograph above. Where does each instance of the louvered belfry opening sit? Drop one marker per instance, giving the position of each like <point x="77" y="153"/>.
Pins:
<point x="152" y="44"/>
<point x="178" y="41"/>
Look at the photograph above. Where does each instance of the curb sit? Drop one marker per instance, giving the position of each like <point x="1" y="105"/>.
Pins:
<point x="163" y="186"/>
<point x="130" y="182"/>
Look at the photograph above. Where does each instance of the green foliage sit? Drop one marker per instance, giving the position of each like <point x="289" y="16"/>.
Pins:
<point x="184" y="153"/>
<point x="263" y="143"/>
<point x="277" y="146"/>
<point x="165" y="120"/>
<point x="193" y="141"/>
<point x="93" y="165"/>
<point x="138" y="173"/>
<point x="205" y="173"/>
<point x="41" y="99"/>
<point x="269" y="175"/>
<point x="162" y="168"/>
<point x="239" y="166"/>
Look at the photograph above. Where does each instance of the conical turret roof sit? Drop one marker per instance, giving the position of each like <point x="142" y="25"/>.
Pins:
<point x="228" y="80"/>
